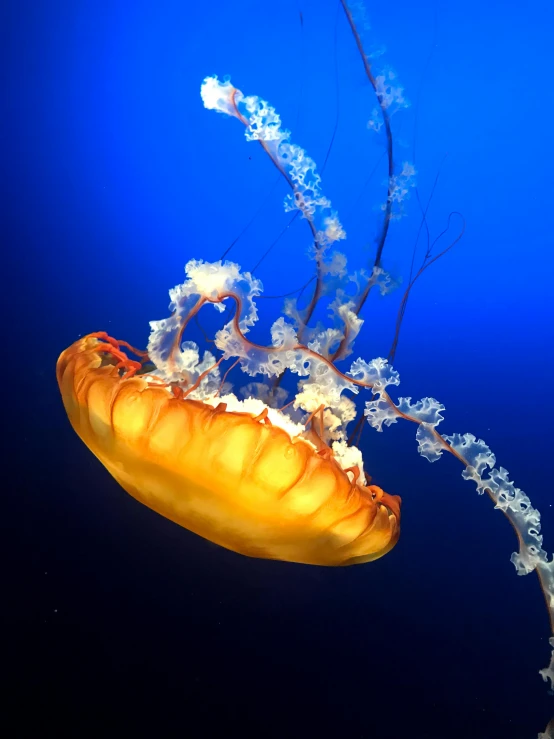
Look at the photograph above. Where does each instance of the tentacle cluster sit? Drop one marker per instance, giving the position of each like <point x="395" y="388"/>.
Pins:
<point x="263" y="124"/>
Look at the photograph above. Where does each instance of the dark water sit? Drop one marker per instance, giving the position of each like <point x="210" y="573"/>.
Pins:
<point x="115" y="176"/>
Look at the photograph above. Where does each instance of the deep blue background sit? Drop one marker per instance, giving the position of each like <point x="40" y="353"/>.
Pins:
<point x="114" y="176"/>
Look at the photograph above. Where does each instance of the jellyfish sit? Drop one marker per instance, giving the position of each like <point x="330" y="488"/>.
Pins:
<point x="255" y="474"/>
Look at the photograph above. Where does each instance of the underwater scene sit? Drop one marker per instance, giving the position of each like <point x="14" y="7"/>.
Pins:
<point x="278" y="281"/>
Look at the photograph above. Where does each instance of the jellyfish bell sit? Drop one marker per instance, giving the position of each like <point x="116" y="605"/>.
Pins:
<point x="248" y="481"/>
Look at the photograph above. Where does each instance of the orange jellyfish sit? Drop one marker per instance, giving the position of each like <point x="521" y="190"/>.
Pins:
<point x="267" y="481"/>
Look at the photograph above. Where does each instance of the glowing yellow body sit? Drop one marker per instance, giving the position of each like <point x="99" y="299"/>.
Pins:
<point x="240" y="483"/>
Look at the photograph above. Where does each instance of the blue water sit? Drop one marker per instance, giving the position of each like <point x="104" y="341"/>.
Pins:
<point x="115" y="176"/>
